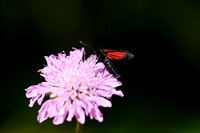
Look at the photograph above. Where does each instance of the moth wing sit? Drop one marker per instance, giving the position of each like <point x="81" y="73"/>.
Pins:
<point x="114" y="54"/>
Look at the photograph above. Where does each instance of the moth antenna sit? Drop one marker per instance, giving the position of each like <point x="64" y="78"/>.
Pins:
<point x="86" y="45"/>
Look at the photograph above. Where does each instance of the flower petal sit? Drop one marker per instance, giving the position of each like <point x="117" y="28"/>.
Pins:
<point x="59" y="119"/>
<point x="96" y="114"/>
<point x="71" y="112"/>
<point x="43" y="112"/>
<point x="80" y="115"/>
<point x="117" y="92"/>
<point x="102" y="101"/>
<point x="113" y="82"/>
<point x="31" y="91"/>
<point x="39" y="101"/>
<point x="32" y="101"/>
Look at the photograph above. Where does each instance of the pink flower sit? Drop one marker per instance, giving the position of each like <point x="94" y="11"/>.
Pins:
<point x="76" y="87"/>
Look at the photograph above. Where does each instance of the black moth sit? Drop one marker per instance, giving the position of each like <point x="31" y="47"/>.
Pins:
<point x="106" y="55"/>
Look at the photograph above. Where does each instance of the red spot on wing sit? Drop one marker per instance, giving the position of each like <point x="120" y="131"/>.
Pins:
<point x="107" y="50"/>
<point x="114" y="55"/>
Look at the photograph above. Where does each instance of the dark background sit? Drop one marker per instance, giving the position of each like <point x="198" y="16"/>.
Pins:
<point x="160" y="85"/>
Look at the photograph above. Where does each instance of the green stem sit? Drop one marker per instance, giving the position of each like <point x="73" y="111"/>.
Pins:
<point x="77" y="127"/>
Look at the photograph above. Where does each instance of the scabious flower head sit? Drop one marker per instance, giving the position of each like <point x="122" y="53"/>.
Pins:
<point x="76" y="87"/>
